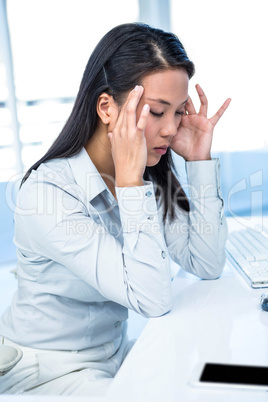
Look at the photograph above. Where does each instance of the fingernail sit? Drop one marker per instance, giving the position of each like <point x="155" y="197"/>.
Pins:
<point x="146" y="107"/>
<point x="135" y="89"/>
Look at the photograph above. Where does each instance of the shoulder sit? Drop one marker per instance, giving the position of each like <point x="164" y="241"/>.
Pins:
<point x="55" y="175"/>
<point x="54" y="171"/>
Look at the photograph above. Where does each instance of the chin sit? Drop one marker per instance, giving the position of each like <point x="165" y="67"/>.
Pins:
<point x="152" y="161"/>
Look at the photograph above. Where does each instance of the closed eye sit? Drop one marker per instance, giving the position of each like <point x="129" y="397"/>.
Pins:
<point x="180" y="113"/>
<point x="156" y="114"/>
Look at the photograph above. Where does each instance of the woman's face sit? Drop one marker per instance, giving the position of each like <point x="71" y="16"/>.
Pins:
<point x="166" y="92"/>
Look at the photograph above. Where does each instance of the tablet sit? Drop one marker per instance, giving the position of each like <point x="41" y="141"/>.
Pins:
<point x="230" y="376"/>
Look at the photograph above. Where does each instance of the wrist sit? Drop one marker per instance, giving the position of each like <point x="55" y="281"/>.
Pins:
<point x="129" y="183"/>
<point x="198" y="158"/>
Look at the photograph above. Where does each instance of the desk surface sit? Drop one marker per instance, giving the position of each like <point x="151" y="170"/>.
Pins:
<point x="216" y="321"/>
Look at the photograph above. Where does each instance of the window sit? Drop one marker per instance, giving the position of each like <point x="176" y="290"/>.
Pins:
<point x="51" y="42"/>
<point x="227" y="42"/>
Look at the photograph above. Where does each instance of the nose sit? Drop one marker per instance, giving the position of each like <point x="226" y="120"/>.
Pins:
<point x="170" y="127"/>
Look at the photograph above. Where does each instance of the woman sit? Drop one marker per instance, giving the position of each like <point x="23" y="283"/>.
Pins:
<point x="99" y="215"/>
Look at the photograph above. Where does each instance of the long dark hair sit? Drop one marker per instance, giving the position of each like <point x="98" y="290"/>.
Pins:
<point x="121" y="59"/>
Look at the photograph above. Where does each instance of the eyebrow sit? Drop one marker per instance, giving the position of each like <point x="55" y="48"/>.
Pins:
<point x="164" y="102"/>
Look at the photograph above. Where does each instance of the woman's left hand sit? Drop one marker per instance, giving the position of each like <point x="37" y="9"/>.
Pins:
<point x="194" y="136"/>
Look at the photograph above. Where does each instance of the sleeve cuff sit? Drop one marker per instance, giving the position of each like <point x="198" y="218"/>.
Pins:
<point x="204" y="178"/>
<point x="138" y="208"/>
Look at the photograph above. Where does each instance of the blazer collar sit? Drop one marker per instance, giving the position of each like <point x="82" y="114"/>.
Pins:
<point x="87" y="175"/>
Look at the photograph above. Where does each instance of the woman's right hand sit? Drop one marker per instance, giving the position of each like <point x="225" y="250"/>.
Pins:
<point x="128" y="142"/>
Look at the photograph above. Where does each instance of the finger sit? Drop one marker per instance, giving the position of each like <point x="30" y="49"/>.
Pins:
<point x="143" y="118"/>
<point x="121" y="116"/>
<point x="189" y="107"/>
<point x="130" y="107"/>
<point x="214" y="119"/>
<point x="203" y="100"/>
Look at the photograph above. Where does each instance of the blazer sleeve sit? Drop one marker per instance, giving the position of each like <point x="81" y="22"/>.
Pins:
<point x="58" y="228"/>
<point x="196" y="240"/>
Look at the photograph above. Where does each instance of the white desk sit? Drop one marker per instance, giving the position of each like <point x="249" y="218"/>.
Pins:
<point x="215" y="321"/>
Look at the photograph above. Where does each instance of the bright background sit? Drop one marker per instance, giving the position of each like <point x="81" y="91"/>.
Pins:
<point x="51" y="41"/>
<point x="227" y="40"/>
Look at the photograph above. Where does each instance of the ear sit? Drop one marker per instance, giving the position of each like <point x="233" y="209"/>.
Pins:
<point x="106" y="108"/>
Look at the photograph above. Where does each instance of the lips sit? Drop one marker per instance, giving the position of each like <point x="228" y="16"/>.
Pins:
<point x="161" y="150"/>
<point x="162" y="147"/>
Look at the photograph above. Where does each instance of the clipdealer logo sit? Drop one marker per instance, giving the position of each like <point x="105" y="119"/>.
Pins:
<point x="89" y="228"/>
<point x="252" y="189"/>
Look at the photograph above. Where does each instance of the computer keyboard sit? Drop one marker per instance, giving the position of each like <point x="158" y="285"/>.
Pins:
<point x="247" y="250"/>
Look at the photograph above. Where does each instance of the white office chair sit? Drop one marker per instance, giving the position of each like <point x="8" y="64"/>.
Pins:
<point x="9" y="357"/>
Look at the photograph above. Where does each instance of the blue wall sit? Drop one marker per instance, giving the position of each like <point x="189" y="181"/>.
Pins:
<point x="244" y="181"/>
<point x="7" y="202"/>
